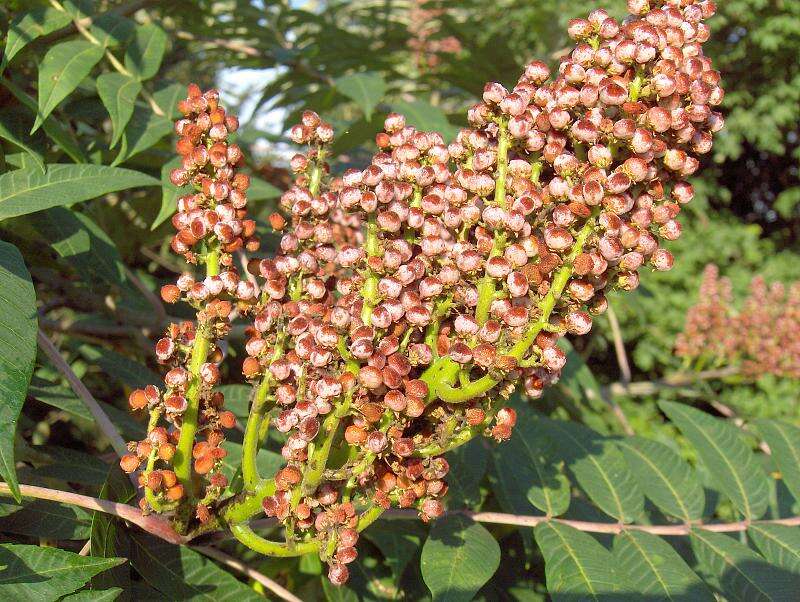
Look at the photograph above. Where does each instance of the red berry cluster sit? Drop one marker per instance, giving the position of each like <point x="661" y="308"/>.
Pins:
<point x="211" y="224"/>
<point x="761" y="337"/>
<point x="410" y="298"/>
<point x="473" y="258"/>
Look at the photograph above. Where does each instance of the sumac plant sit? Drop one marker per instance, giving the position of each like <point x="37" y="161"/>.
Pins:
<point x="409" y="299"/>
<point x="412" y="306"/>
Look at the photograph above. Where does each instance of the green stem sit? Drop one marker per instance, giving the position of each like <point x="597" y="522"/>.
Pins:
<point x="271" y="548"/>
<point x="247" y="506"/>
<point x="370" y="289"/>
<point x="319" y="459"/>
<point x="201" y="347"/>
<point x="486" y="287"/>
<point x="316" y="173"/>
<point x="444" y="389"/>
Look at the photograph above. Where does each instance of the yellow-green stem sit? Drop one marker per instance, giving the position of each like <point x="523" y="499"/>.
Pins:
<point x="199" y="354"/>
<point x="271" y="548"/>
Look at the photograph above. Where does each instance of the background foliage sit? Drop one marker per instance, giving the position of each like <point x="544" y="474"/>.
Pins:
<point x="87" y="95"/>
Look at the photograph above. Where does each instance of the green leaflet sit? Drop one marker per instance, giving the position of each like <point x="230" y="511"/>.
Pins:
<point x="18" y="326"/>
<point x="664" y="477"/>
<point x="118" y="93"/>
<point x="654" y="569"/>
<point x="62" y="69"/>
<point x="44" y="574"/>
<point x="458" y="557"/>
<point x="26" y="27"/>
<point x="26" y="190"/>
<point x="733" y="464"/>
<point x="740" y="573"/>
<point x="577" y="567"/>
<point x="365" y="89"/>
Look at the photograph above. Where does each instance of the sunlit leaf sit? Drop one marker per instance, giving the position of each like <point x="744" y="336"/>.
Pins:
<point x="62" y="69"/>
<point x="30" y="25"/>
<point x="736" y="471"/>
<point x="365" y="89"/>
<point x="144" y="53"/>
<point x="458" y="557"/>
<point x="118" y="93"/>
<point x="26" y="190"/>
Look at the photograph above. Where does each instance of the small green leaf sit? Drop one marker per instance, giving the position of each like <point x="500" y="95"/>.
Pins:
<point x="365" y="89"/>
<point x="119" y="367"/>
<point x="118" y="93"/>
<point x="144" y="53"/>
<point x="426" y="117"/>
<point x="576" y="566"/>
<point x="738" y="572"/>
<point x="70" y="466"/>
<point x="183" y="574"/>
<point x="28" y="26"/>
<point x="106" y="595"/>
<point x="458" y="558"/>
<point x="18" y="326"/>
<point x="27" y="191"/>
<point x="237" y="399"/>
<point x="784" y="443"/>
<point x="261" y="190"/>
<point x="531" y="466"/>
<point x="108" y="536"/>
<point x="664" y="477"/>
<point x="337" y="593"/>
<point x="734" y="466"/>
<point x="59" y="134"/>
<point x="655" y="570"/>
<point x="599" y="468"/>
<point x="44" y="574"/>
<point x="779" y="544"/>
<point x="62" y="69"/>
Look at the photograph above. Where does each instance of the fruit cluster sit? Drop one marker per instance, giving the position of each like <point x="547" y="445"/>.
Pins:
<point x="410" y="298"/>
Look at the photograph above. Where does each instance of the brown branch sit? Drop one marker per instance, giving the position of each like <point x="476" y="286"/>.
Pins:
<point x="86" y="549"/>
<point x="500" y="518"/>
<point x="105" y="424"/>
<point x="155" y="525"/>
<point x="151" y="297"/>
<point x="275" y="587"/>
<point x="619" y="346"/>
<point x="672" y="381"/>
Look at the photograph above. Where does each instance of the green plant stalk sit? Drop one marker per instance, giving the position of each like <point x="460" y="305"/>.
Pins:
<point x="248" y="505"/>
<point x="182" y="461"/>
<point x="255" y="542"/>
<point x="319" y="459"/>
<point x="370" y="289"/>
<point x="446" y="376"/>
<point x="252" y="432"/>
<point x="486" y="287"/>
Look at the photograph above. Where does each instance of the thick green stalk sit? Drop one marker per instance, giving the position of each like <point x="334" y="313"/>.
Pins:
<point x="486" y="287"/>
<point x="271" y="548"/>
<point x="150" y="495"/>
<point x="200" y="350"/>
<point x="370" y="289"/>
<point x="248" y="505"/>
